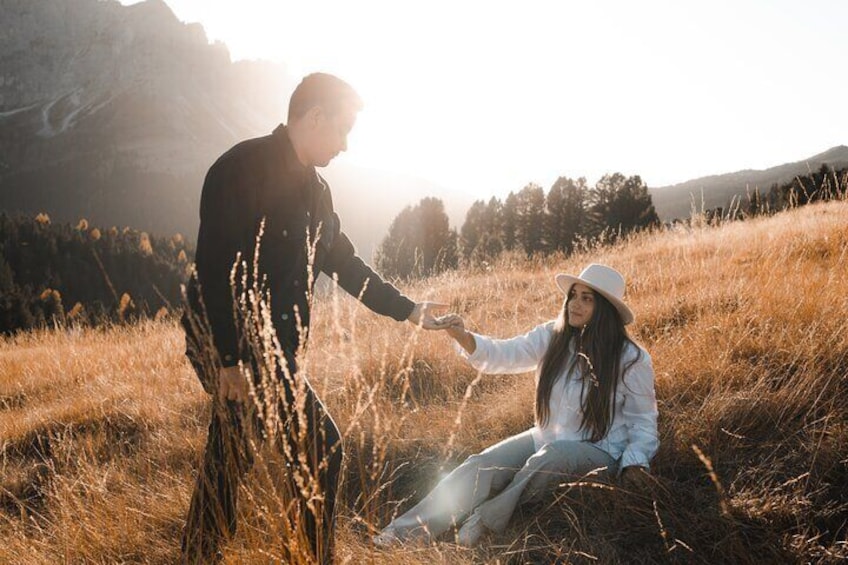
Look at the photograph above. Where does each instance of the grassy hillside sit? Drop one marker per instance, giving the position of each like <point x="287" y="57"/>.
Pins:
<point x="747" y="325"/>
<point x="677" y="201"/>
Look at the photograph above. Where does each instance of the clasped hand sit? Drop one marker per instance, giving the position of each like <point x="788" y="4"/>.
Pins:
<point x="453" y="324"/>
<point x="422" y="315"/>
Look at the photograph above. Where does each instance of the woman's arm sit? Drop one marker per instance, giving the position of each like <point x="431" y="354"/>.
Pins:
<point x="455" y="326"/>
<point x="500" y="356"/>
<point x="640" y="414"/>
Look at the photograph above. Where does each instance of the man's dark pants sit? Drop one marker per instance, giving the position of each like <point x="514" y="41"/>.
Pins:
<point x="229" y="456"/>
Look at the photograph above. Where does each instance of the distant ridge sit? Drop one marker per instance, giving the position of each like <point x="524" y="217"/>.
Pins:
<point x="675" y="201"/>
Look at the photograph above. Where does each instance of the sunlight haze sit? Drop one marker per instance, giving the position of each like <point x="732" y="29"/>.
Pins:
<point x="483" y="98"/>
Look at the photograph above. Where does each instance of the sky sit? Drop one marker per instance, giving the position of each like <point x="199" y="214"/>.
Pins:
<point x="485" y="97"/>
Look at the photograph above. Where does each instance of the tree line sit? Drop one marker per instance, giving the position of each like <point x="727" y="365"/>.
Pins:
<point x="571" y="215"/>
<point x="421" y="243"/>
<point x="52" y="274"/>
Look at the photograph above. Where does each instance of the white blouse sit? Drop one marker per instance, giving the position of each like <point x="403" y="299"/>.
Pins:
<point x="632" y="438"/>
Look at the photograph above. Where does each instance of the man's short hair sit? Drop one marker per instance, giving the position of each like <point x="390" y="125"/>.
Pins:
<point x="324" y="90"/>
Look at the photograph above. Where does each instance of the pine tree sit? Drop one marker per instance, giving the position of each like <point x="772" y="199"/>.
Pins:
<point x="419" y="243"/>
<point x="531" y="218"/>
<point x="509" y="222"/>
<point x="566" y="214"/>
<point x="619" y="205"/>
<point x="472" y="229"/>
<point x="756" y="203"/>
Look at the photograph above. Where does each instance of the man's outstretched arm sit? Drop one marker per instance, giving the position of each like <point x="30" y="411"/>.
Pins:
<point x="378" y="295"/>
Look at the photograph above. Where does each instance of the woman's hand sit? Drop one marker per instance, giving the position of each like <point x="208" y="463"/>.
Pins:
<point x="455" y="326"/>
<point x="636" y="478"/>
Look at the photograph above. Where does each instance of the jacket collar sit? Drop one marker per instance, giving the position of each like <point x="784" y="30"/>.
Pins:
<point x="291" y="164"/>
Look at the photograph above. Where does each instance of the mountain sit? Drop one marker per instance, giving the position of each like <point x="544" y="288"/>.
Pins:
<point x="675" y="201"/>
<point x="114" y="113"/>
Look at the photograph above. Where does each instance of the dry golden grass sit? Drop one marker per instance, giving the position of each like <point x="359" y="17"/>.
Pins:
<point x="101" y="430"/>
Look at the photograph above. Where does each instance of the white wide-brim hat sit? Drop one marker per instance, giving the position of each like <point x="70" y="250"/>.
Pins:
<point x="604" y="280"/>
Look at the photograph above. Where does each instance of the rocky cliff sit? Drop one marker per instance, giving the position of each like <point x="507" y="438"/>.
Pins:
<point x="114" y="112"/>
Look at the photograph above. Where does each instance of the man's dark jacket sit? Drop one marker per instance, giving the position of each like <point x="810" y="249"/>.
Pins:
<point x="260" y="179"/>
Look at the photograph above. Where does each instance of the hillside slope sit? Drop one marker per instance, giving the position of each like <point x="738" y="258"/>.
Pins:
<point x="677" y="201"/>
<point x="747" y="325"/>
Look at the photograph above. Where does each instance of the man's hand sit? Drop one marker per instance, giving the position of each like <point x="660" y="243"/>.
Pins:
<point x="636" y="478"/>
<point x="422" y="315"/>
<point x="232" y="385"/>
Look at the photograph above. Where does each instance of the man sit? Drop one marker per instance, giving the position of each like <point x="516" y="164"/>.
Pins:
<point x="269" y="184"/>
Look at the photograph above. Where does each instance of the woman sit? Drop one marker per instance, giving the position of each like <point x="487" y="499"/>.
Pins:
<point x="595" y="409"/>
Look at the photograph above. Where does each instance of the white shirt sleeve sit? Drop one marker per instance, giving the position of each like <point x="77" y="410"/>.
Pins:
<point x="517" y="355"/>
<point x="640" y="414"/>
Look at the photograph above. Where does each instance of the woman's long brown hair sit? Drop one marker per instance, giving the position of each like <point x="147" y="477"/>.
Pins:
<point x="599" y="346"/>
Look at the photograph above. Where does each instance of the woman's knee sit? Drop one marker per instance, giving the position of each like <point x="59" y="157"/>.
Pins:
<point x="569" y="457"/>
<point x="481" y="459"/>
<point x="558" y="453"/>
<point x="543" y="455"/>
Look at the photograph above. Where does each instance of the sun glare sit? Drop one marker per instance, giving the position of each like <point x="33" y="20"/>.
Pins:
<point x="486" y="97"/>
